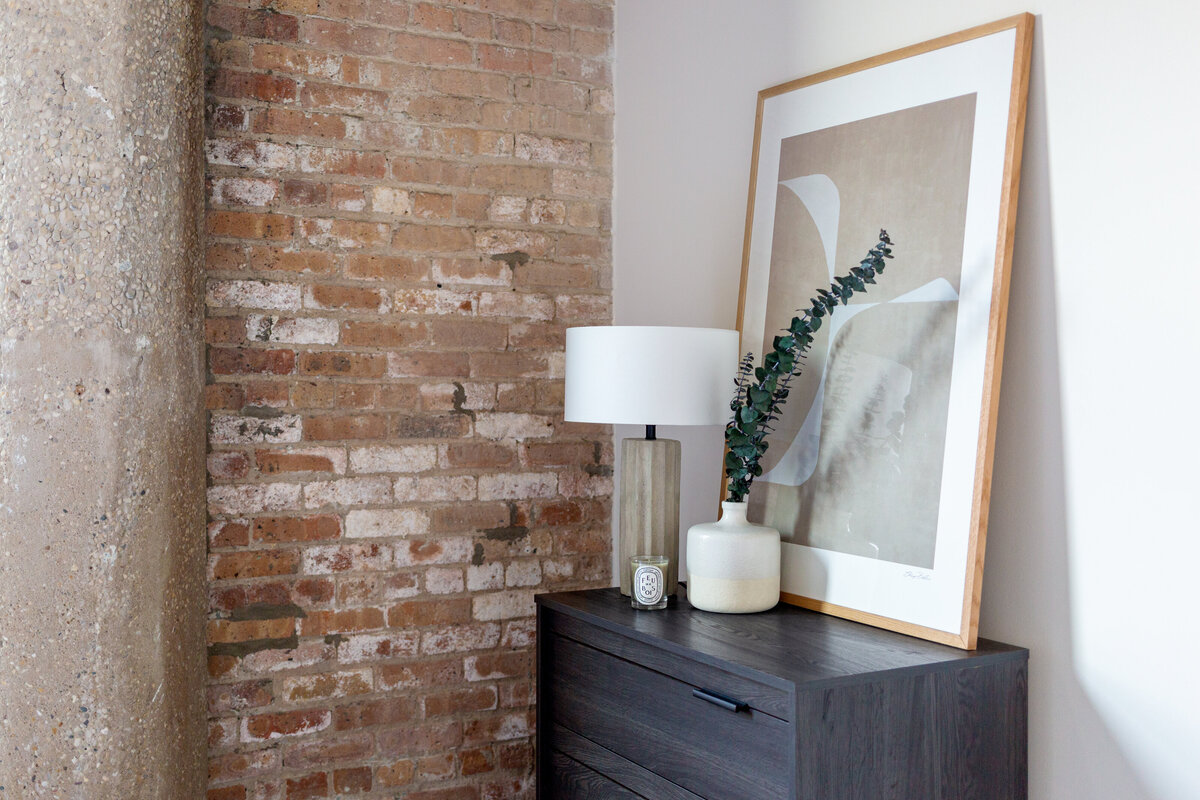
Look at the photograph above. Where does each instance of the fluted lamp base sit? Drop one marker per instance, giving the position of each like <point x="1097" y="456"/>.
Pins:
<point x="649" y="505"/>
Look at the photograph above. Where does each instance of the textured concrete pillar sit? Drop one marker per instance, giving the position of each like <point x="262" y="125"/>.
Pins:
<point x="101" y="386"/>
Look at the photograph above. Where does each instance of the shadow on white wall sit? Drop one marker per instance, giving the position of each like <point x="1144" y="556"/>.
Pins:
<point x="1027" y="580"/>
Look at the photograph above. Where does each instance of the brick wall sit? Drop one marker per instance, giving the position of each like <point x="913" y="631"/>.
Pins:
<point x="408" y="203"/>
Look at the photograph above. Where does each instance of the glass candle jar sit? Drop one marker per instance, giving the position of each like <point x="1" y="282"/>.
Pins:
<point x="648" y="582"/>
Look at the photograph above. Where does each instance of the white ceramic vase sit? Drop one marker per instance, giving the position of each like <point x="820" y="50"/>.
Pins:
<point x="733" y="564"/>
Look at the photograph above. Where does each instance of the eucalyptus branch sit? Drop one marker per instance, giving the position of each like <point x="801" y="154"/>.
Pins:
<point x="760" y="391"/>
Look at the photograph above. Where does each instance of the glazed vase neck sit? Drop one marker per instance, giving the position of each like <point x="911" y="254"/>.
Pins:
<point x="733" y="513"/>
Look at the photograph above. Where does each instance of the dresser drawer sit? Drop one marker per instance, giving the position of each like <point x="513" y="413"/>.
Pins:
<point x="654" y="720"/>
<point x="570" y="780"/>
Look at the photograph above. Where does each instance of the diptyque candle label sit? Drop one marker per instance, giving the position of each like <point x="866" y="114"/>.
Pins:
<point x="648" y="584"/>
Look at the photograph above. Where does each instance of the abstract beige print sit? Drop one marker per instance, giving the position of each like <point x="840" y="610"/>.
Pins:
<point x="855" y="465"/>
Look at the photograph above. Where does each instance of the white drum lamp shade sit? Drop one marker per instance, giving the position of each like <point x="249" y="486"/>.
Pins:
<point x="650" y="376"/>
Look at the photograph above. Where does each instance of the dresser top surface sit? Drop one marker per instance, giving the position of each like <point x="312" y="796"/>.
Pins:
<point x="788" y="643"/>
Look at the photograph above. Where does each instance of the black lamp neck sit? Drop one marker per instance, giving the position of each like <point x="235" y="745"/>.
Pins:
<point x="650" y="433"/>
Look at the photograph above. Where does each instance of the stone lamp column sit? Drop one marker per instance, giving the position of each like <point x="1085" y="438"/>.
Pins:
<point x="650" y="375"/>
<point x="102" y="543"/>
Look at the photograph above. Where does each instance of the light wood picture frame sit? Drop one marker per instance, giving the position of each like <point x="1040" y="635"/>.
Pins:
<point x="878" y="474"/>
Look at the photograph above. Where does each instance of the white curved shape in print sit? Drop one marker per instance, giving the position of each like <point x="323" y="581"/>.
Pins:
<point x="800" y="461"/>
<point x="820" y="196"/>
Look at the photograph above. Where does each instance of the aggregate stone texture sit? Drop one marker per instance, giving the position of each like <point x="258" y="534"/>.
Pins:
<point x="101" y="383"/>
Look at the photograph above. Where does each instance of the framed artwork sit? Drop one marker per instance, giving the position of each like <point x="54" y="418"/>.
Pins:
<point x="878" y="472"/>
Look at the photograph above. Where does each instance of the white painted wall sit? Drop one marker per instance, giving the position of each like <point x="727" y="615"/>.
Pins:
<point x="1095" y="536"/>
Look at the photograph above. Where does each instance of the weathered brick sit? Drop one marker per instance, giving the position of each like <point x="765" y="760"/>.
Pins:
<point x="432" y="185"/>
<point x="330" y="559"/>
<point x="350" y="298"/>
<point x="406" y="458"/>
<point x="517" y="305"/>
<point x="386" y="523"/>
<point x="417" y="613"/>
<point x="265" y="727"/>
<point x="351" y="620"/>
<point x="254" y="294"/>
<point x="360" y="648"/>
<point x="253" y="564"/>
<point x="340" y="428"/>
<point x="326" y="685"/>
<point x="513" y="59"/>
<point x="385" y="268"/>
<point x="503" y="425"/>
<point x="344" y="747"/>
<point x="343" y="98"/>
<point x="276" y="530"/>
<point x="434" y="489"/>
<point x="419" y="739"/>
<point x="460" y="638"/>
<point x="247" y="361"/>
<point x="503" y="605"/>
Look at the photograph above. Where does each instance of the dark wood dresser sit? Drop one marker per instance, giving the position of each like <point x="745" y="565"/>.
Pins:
<point x="684" y="704"/>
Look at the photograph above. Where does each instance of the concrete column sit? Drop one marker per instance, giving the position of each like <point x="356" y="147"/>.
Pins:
<point x="101" y="412"/>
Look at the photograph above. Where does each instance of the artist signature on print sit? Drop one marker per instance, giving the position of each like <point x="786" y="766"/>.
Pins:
<point x="918" y="576"/>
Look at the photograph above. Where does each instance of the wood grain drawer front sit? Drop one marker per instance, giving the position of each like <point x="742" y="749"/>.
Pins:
<point x="655" y="721"/>
<point x="570" y="780"/>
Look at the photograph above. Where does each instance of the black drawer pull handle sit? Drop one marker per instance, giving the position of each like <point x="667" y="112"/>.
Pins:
<point x="717" y="699"/>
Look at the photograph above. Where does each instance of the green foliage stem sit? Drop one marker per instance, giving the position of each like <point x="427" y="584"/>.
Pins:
<point x="761" y="391"/>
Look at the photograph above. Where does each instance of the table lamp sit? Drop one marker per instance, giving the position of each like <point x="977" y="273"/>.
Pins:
<point x="650" y="375"/>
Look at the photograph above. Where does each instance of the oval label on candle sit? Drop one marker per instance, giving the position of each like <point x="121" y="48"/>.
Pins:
<point x="648" y="584"/>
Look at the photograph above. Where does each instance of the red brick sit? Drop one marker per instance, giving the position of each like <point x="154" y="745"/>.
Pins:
<point x="398" y="773"/>
<point x="389" y="711"/>
<point x="253" y="564"/>
<point x="432" y="238"/>
<point x="305" y="193"/>
<point x="430" y="50"/>
<point x="351" y="298"/>
<point x="271" y="462"/>
<point x="282" y="58"/>
<point x="352" y="781"/>
<point x="252" y="86"/>
<point x="333" y="428"/>
<point x="258" y="24"/>
<point x="228" y="466"/>
<point x="449" y="793"/>
<point x="347" y="747"/>
<point x="227" y="793"/>
<point x="274" y="530"/>
<point x="233" y="631"/>
<point x="288" y="260"/>
<point x="320" y="623"/>
<point x="479" y="454"/>
<point x="343" y="98"/>
<point x="246" y="225"/>
<point x="246" y="361"/>
<point x="420" y="739"/>
<point x="228" y="534"/>
<point x="330" y="35"/>
<point x="429" y="612"/>
<point x="308" y="786"/>
<point x="470" y="699"/>
<point x="476" y="761"/>
<point x="298" y="123"/>
<point x="227" y="697"/>
<point x="385" y="267"/>
<point x="512" y="59"/>
<point x="356" y="365"/>
<point x="238" y="766"/>
<point x="265" y="727"/>
<point x="384" y="334"/>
